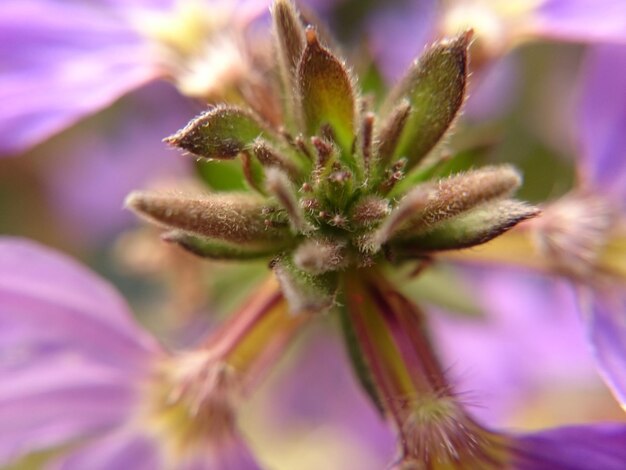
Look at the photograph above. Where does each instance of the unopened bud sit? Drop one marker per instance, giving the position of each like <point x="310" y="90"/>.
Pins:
<point x="279" y="185"/>
<point x="471" y="228"/>
<point x="370" y="211"/>
<point x="231" y="217"/>
<point x="220" y="133"/>
<point x="317" y="256"/>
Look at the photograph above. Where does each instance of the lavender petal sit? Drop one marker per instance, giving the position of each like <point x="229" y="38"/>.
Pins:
<point x="398" y="35"/>
<point x="606" y="323"/>
<point x="322" y="391"/>
<point x="529" y="337"/>
<point x="124" y="448"/>
<point x="49" y="401"/>
<point x="572" y="448"/>
<point x="106" y="157"/>
<point x="71" y="356"/>
<point x="602" y="120"/>
<point x="582" y="20"/>
<point x="51" y="303"/>
<point x="230" y="454"/>
<point x="56" y="71"/>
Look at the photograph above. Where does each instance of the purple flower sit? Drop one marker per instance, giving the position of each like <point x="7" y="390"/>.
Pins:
<point x="584" y="233"/>
<point x="498" y="27"/>
<point x="434" y="427"/>
<point x="102" y="158"/>
<point x="600" y="122"/>
<point x="320" y="392"/>
<point x="56" y="70"/>
<point x="65" y="60"/>
<point x="76" y="368"/>
<point x="582" y="236"/>
<point x="572" y="447"/>
<point x="527" y="341"/>
<point x="576" y="20"/>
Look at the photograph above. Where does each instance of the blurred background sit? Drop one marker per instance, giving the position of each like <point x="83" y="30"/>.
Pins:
<point x="65" y="187"/>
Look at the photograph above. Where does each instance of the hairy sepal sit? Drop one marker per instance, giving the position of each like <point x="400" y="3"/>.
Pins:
<point x="231" y="217"/>
<point x="435" y="89"/>
<point x="321" y="255"/>
<point x="430" y="203"/>
<point x="468" y="229"/>
<point x="221" y="133"/>
<point x="326" y="93"/>
<point x="221" y="250"/>
<point x="289" y="44"/>
<point x="305" y="292"/>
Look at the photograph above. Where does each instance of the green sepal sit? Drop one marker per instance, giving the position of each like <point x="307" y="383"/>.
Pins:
<point x="305" y="292"/>
<point x="435" y="89"/>
<point x="471" y="228"/>
<point x="231" y="217"/>
<point x="289" y="44"/>
<point x="223" y="175"/>
<point x="326" y="93"/>
<point x="221" y="250"/>
<point x="220" y="133"/>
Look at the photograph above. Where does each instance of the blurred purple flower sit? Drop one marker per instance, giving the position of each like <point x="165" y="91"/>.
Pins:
<point x="572" y="448"/>
<point x="580" y="20"/>
<point x="399" y="33"/>
<point x="527" y="341"/>
<point x="57" y="70"/>
<point x="321" y="391"/>
<point x="77" y="369"/>
<point x="103" y="158"/>
<point x="601" y="120"/>
<point x="65" y="60"/>
<point x="584" y="233"/>
<point x="582" y="236"/>
<point x="435" y="429"/>
<point x="498" y="26"/>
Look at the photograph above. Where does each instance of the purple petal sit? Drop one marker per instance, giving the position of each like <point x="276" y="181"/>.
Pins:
<point x="50" y="401"/>
<point x="605" y="317"/>
<point x="230" y="454"/>
<point x="51" y="303"/>
<point x="529" y="339"/>
<point x="61" y="61"/>
<point x="106" y="157"/>
<point x="321" y="391"/>
<point x="71" y="356"/>
<point x="572" y="448"/>
<point x="494" y="89"/>
<point x="125" y="448"/>
<point x="602" y="120"/>
<point x="398" y="35"/>
<point x="582" y="20"/>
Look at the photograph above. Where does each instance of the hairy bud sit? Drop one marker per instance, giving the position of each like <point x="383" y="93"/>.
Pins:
<point x="471" y="228"/>
<point x="318" y="256"/>
<point x="326" y="92"/>
<point x="220" y="133"/>
<point x="236" y="218"/>
<point x="435" y="89"/>
<point x="279" y="185"/>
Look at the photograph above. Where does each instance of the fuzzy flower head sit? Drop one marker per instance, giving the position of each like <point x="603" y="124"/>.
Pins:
<point x="338" y="186"/>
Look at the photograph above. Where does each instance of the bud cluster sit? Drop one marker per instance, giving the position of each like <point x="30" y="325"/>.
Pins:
<point x="338" y="185"/>
<point x="340" y="189"/>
